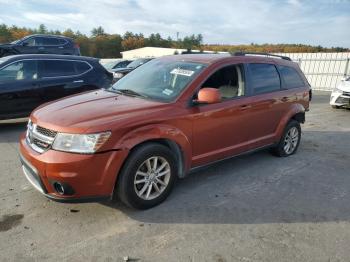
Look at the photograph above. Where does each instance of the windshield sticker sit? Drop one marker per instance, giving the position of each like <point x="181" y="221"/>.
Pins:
<point x="183" y="72"/>
<point x="167" y="92"/>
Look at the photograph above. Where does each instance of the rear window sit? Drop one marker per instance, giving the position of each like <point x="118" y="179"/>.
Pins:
<point x="264" y="78"/>
<point x="290" y="77"/>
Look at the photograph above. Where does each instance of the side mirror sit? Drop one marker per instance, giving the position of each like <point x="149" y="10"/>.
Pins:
<point x="208" y="95"/>
<point x="25" y="44"/>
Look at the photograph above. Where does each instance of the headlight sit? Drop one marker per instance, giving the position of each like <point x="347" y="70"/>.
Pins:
<point x="337" y="90"/>
<point x="118" y="75"/>
<point x="76" y="143"/>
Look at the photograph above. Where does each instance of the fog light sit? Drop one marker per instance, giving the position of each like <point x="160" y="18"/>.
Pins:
<point x="59" y="188"/>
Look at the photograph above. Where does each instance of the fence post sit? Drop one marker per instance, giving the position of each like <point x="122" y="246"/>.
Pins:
<point x="346" y="67"/>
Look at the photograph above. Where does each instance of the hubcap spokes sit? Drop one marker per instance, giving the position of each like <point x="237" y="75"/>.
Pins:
<point x="291" y="140"/>
<point x="152" y="177"/>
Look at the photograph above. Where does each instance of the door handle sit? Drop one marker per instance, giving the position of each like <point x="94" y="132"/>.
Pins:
<point x="284" y="99"/>
<point x="60" y="47"/>
<point x="41" y="48"/>
<point x="78" y="81"/>
<point x="244" y="107"/>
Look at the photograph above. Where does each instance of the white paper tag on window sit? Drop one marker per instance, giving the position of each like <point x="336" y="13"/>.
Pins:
<point x="183" y="72"/>
<point x="167" y="92"/>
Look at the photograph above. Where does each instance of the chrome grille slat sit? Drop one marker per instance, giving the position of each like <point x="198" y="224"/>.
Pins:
<point x="39" y="138"/>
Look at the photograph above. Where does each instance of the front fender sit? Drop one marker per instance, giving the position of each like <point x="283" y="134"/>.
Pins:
<point x="157" y="131"/>
<point x="292" y="111"/>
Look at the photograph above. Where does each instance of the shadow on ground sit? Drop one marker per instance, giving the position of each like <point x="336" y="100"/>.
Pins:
<point x="311" y="186"/>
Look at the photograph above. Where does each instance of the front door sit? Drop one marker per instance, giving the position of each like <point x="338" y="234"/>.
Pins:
<point x="17" y="89"/>
<point x="220" y="130"/>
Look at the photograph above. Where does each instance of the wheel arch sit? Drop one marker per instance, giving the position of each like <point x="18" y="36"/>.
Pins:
<point x="169" y="136"/>
<point x="295" y="112"/>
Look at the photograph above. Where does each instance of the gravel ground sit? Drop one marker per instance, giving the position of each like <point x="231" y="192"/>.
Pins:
<point x="251" y="208"/>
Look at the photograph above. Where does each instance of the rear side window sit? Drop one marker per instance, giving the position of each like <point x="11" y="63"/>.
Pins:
<point x="62" y="68"/>
<point x="81" y="67"/>
<point x="51" y="41"/>
<point x="290" y="77"/>
<point x="264" y="78"/>
<point x="56" y="68"/>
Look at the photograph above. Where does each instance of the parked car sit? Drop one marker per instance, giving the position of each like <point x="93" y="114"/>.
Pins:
<point x="340" y="96"/>
<point x="116" y="64"/>
<point x="172" y="115"/>
<point x="27" y="81"/>
<point x="120" y="72"/>
<point x="41" y="44"/>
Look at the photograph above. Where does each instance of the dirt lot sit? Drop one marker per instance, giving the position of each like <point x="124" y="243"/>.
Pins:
<point x="252" y="208"/>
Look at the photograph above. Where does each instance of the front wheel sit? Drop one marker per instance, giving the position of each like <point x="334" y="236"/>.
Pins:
<point x="290" y="140"/>
<point x="147" y="177"/>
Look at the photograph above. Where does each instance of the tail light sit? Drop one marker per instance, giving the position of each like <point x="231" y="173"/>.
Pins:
<point x="76" y="45"/>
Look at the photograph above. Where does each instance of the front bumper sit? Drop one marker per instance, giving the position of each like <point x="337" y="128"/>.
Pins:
<point x="340" y="99"/>
<point x="92" y="177"/>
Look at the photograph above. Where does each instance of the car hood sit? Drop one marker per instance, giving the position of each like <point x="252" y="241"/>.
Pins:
<point x="122" y="70"/>
<point x="91" y="111"/>
<point x="6" y="45"/>
<point x="344" y="86"/>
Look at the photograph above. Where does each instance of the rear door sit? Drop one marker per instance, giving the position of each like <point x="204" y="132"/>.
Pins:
<point x="17" y="84"/>
<point x="267" y="103"/>
<point x="60" y="78"/>
<point x="54" y="45"/>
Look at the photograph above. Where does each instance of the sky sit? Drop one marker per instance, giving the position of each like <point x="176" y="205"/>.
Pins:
<point x="318" y="22"/>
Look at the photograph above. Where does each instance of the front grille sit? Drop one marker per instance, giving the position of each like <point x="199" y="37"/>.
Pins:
<point x="346" y="93"/>
<point x="39" y="138"/>
<point x="40" y="144"/>
<point x="46" y="132"/>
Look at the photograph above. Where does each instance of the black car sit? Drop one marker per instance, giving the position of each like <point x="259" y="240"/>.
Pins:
<point x="120" y="72"/>
<point x="110" y="66"/>
<point x="27" y="81"/>
<point x="41" y="44"/>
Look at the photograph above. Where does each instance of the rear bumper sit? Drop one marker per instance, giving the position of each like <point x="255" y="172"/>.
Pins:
<point x="90" y="177"/>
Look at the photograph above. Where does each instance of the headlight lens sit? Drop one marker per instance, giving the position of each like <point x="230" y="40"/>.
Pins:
<point x="337" y="90"/>
<point x="76" y="143"/>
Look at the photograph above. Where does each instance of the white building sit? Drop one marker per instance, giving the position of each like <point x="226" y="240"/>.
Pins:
<point x="154" y="52"/>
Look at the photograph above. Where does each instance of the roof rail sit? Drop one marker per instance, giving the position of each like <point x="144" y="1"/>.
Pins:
<point x="263" y="54"/>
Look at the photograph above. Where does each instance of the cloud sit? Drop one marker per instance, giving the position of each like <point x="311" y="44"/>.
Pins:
<point x="234" y="22"/>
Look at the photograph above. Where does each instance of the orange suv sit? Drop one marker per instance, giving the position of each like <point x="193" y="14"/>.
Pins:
<point x="163" y="119"/>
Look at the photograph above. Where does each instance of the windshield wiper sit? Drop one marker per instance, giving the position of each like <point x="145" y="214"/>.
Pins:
<point x="130" y="92"/>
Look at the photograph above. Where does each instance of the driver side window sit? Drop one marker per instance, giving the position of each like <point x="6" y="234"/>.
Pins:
<point x="22" y="70"/>
<point x="229" y="81"/>
<point x="34" y="41"/>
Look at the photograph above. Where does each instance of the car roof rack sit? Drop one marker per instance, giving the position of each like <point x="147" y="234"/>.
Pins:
<point x="262" y="54"/>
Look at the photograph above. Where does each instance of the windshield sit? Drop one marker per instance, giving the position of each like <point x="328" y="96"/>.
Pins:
<point x="110" y="65"/>
<point x="159" y="79"/>
<point x="137" y="62"/>
<point x="3" y="59"/>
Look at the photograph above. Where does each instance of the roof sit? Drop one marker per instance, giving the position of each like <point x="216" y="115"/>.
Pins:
<point x="214" y="58"/>
<point x="49" y="56"/>
<point x="46" y="35"/>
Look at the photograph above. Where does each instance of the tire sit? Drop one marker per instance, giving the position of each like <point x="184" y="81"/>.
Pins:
<point x="291" y="132"/>
<point x="138" y="176"/>
<point x="335" y="107"/>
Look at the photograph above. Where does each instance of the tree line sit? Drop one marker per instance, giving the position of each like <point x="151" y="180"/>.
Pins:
<point x="103" y="45"/>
